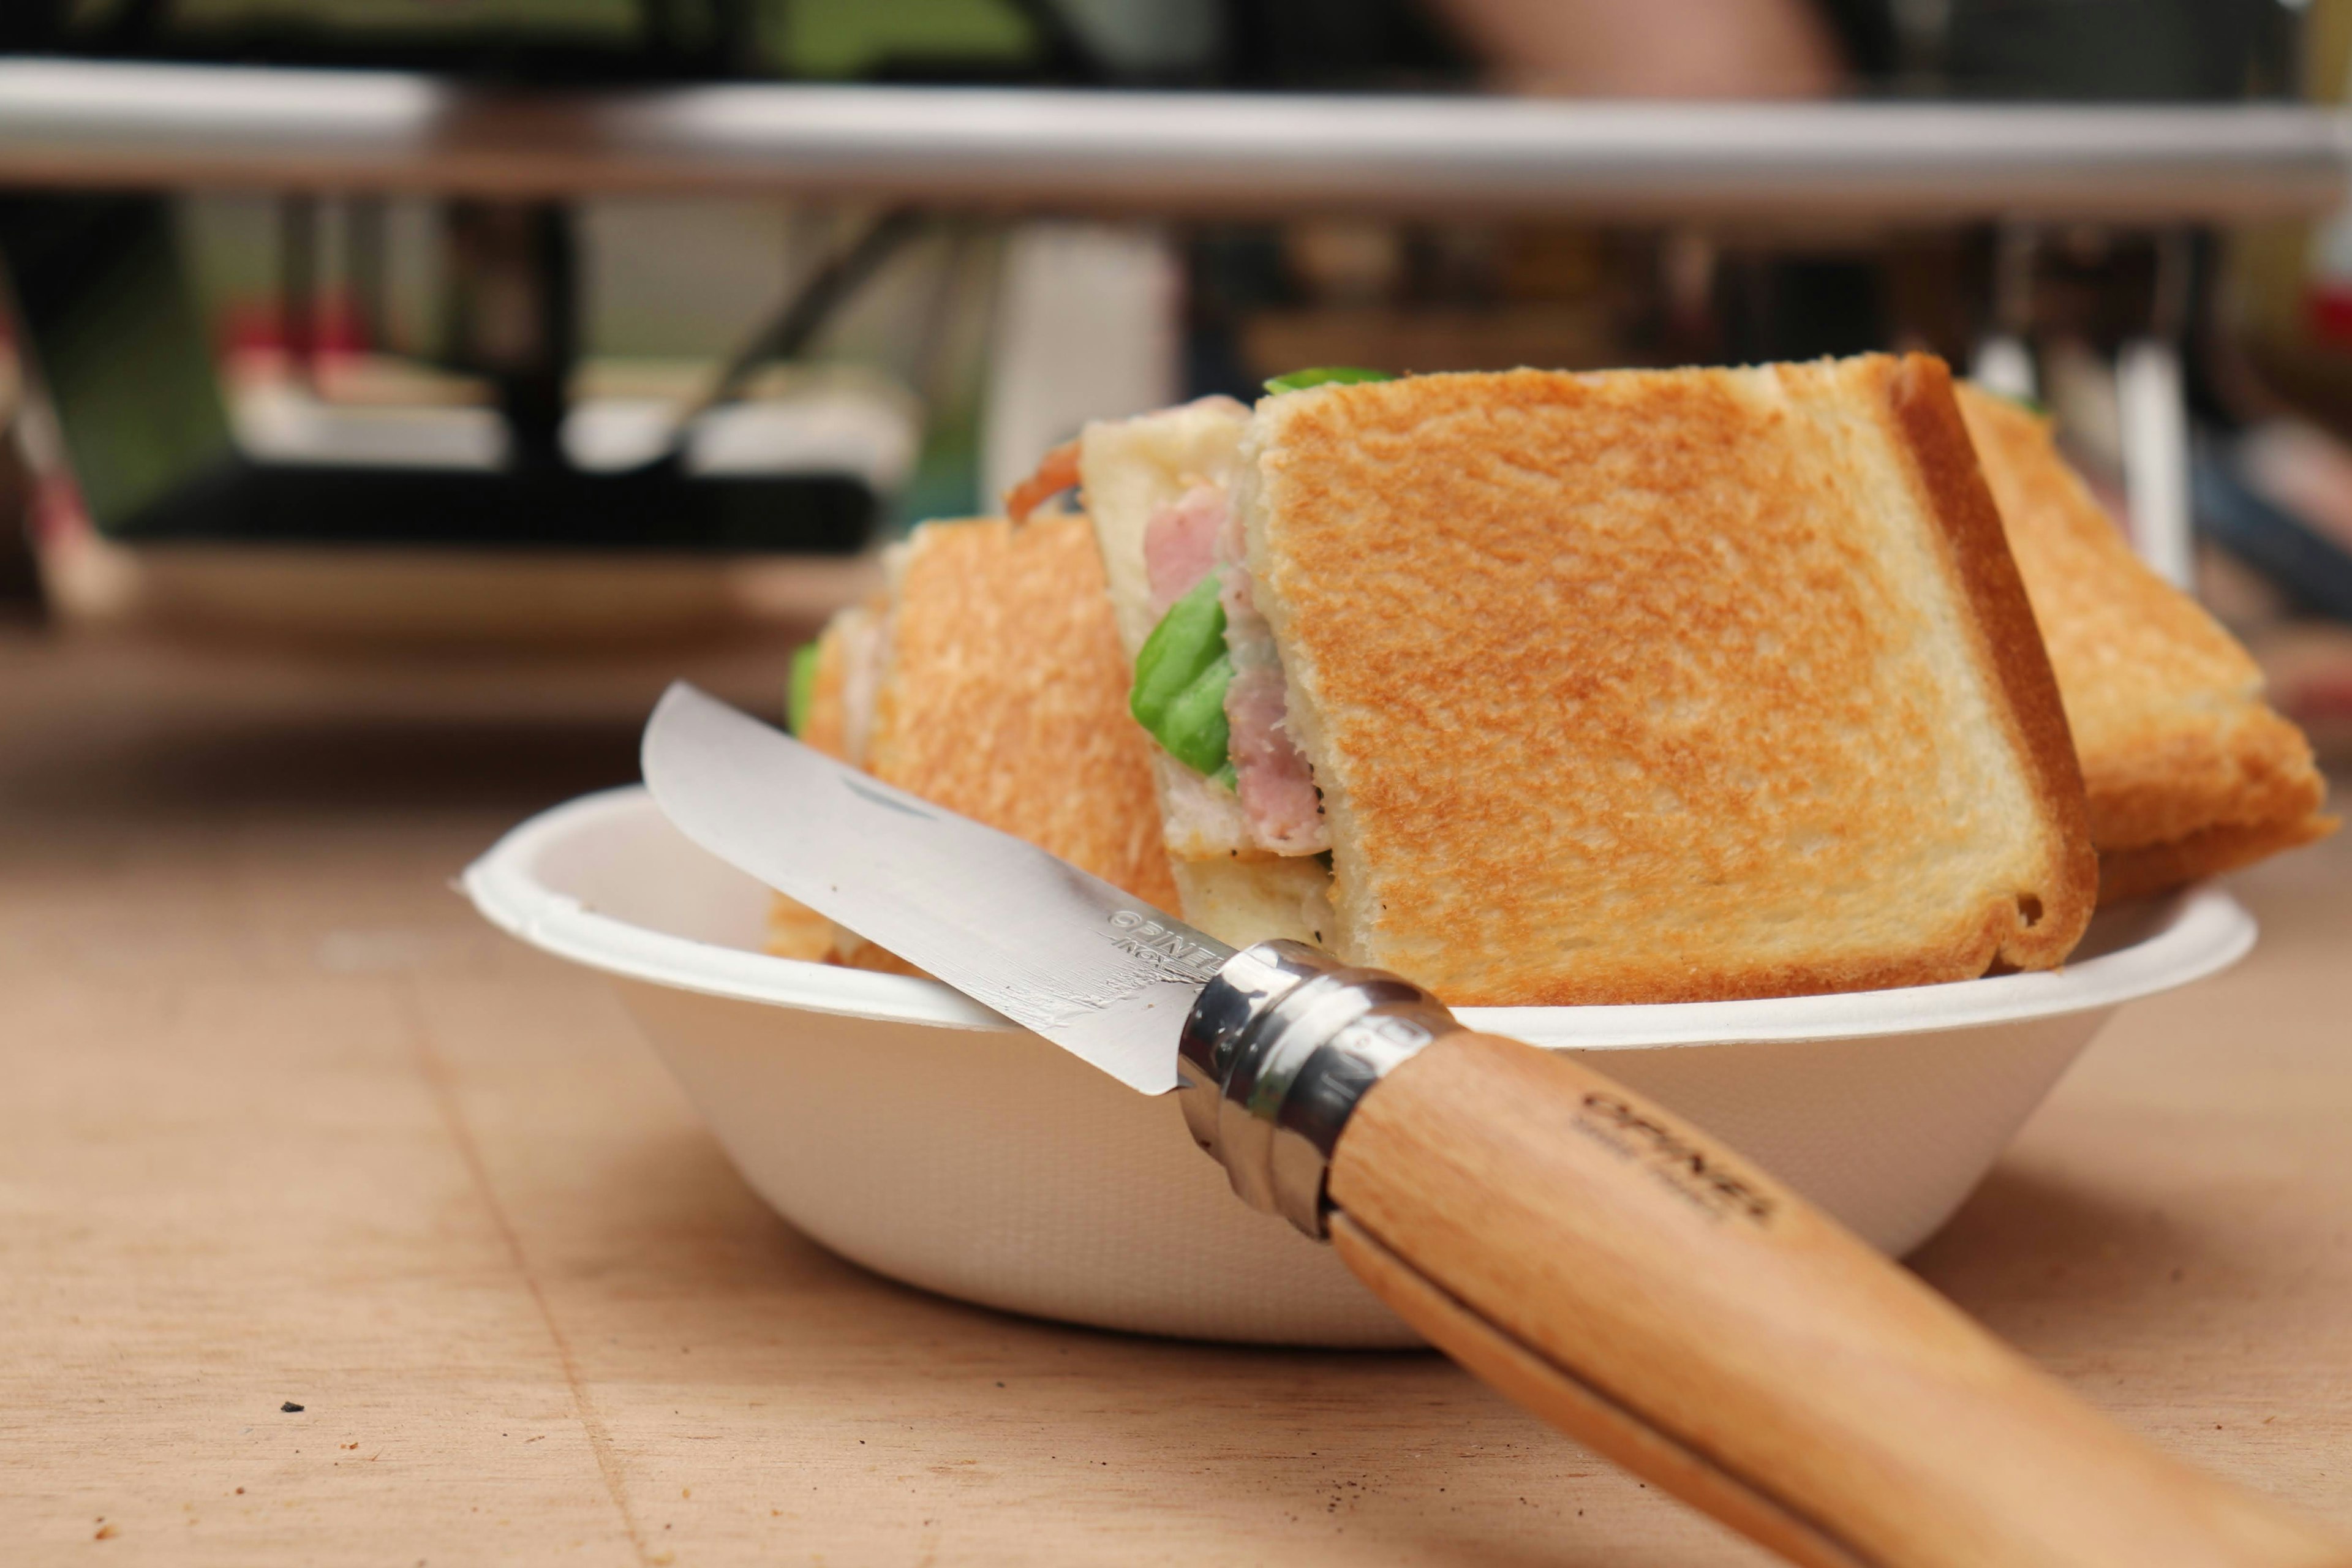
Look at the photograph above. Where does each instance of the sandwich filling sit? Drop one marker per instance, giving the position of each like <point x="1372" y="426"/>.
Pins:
<point x="866" y="637"/>
<point x="1209" y="683"/>
<point x="1192" y="554"/>
<point x="1180" y="677"/>
<point x="836" y="679"/>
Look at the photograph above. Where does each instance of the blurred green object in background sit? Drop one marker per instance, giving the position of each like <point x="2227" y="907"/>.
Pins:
<point x="858" y="38"/>
<point x="122" y="350"/>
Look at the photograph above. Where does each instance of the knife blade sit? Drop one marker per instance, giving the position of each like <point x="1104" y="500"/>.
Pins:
<point x="1101" y="974"/>
<point x="1583" y="1249"/>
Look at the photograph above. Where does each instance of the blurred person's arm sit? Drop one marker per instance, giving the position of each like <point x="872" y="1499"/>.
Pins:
<point x="1652" y="49"/>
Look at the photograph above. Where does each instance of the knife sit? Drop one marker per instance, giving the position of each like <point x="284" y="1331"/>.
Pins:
<point x="1586" y="1252"/>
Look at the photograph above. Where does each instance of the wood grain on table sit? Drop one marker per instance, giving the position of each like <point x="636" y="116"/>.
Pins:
<point x="282" y="1122"/>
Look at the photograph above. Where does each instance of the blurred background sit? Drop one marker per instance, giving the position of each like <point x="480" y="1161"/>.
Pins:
<point x="363" y="345"/>
<point x="396" y="394"/>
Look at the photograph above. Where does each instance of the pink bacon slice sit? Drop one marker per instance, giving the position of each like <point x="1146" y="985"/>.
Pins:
<point x="1275" y="786"/>
<point x="1179" y="544"/>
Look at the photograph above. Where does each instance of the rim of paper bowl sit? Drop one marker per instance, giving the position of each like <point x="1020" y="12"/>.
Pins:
<point x="2200" y="932"/>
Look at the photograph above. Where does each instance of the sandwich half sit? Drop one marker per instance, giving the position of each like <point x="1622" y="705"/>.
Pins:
<point x="989" y="678"/>
<point x="2190" y="773"/>
<point x="1630" y="687"/>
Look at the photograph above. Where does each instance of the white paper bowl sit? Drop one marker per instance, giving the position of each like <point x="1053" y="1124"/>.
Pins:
<point x="923" y="1136"/>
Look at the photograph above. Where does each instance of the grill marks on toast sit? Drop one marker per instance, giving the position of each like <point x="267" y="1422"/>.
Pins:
<point x="1617" y="690"/>
<point x="2189" y="772"/>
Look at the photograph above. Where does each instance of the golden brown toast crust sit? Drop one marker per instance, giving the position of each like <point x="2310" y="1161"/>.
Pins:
<point x="796" y="931"/>
<point x="1951" y="483"/>
<point x="1006" y="701"/>
<point x="1006" y="697"/>
<point x="1650" y="687"/>
<point x="2177" y="746"/>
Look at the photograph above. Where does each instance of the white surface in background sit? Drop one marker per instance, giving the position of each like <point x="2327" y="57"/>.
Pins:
<point x="835" y="430"/>
<point x="2154" y="421"/>
<point x="279" y="422"/>
<point x="2078" y="383"/>
<point x="1086" y="329"/>
<point x="2005" y="365"/>
<point x="850" y="431"/>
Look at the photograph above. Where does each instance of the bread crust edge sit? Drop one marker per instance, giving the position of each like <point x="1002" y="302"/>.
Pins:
<point x="1936" y="436"/>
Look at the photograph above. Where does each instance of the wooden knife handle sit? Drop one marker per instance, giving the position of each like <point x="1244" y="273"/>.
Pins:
<point x="1655" y="1295"/>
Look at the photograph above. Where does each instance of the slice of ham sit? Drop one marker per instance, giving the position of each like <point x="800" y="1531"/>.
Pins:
<point x="1056" y="471"/>
<point x="1271" y="775"/>
<point x="1277" y="787"/>
<point x="1179" y="544"/>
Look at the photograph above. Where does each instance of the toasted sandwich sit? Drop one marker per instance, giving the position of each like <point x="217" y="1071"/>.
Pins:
<point x="1629" y="687"/>
<point x="988" y="678"/>
<point x="2190" y="773"/>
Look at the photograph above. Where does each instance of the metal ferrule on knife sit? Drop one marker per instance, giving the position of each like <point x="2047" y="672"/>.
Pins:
<point x="1274" y="1056"/>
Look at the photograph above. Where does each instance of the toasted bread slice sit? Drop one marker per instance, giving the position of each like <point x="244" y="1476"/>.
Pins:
<point x="1241" y="902"/>
<point x="1001" y="694"/>
<point x="796" y="931"/>
<point x="1005" y="697"/>
<point x="2189" y="772"/>
<point x="1665" y="685"/>
<point x="2160" y="867"/>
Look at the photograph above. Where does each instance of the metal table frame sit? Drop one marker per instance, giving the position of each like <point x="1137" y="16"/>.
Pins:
<point x="86" y="124"/>
<point x="80" y="123"/>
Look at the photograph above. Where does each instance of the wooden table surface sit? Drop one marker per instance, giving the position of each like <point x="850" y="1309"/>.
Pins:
<point x="282" y="1123"/>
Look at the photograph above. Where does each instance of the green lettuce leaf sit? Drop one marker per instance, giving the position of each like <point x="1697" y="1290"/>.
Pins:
<point x="1325" y="375"/>
<point x="1180" y="676"/>
<point x="799" y="692"/>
